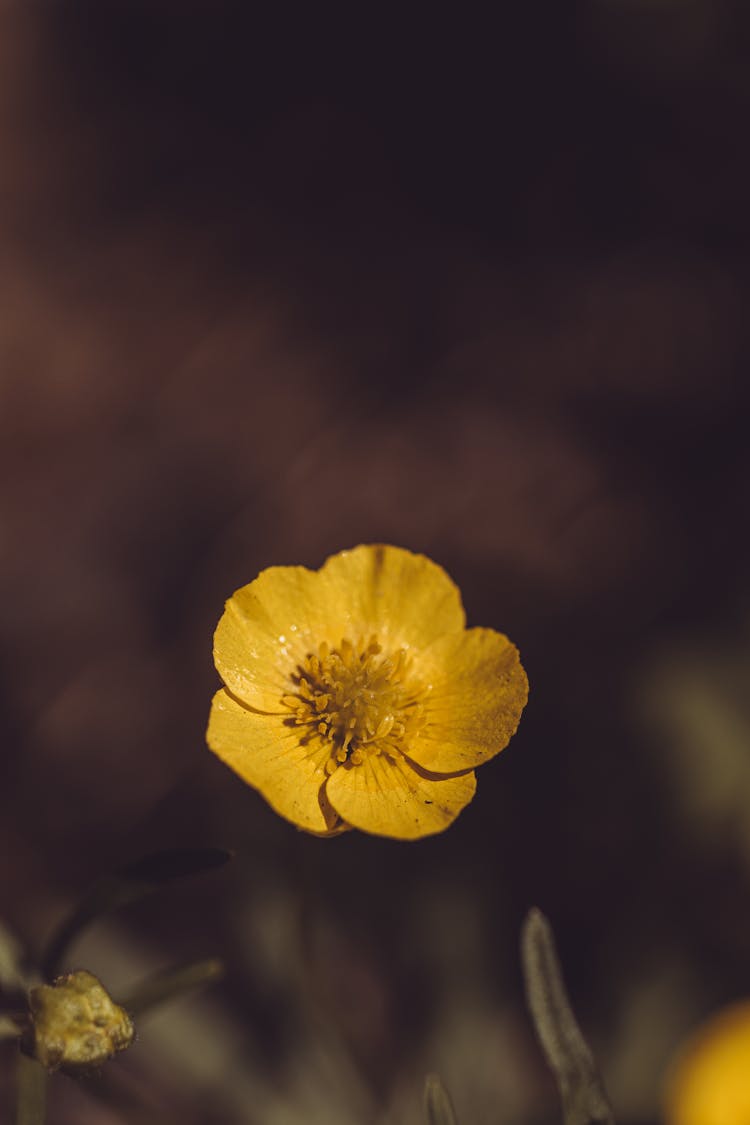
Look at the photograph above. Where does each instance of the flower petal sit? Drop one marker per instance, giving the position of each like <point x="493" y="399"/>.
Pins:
<point x="390" y="798"/>
<point x="268" y="754"/>
<point x="390" y="591"/>
<point x="478" y="691"/>
<point x="266" y="630"/>
<point x="270" y="625"/>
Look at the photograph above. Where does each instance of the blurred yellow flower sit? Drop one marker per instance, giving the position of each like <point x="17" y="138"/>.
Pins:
<point x="355" y="697"/>
<point x="710" y="1082"/>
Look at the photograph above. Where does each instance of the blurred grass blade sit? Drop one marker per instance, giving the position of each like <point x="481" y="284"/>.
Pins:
<point x="15" y="975"/>
<point x="10" y="1027"/>
<point x="127" y="885"/>
<point x="171" y="984"/>
<point x="438" y="1107"/>
<point x="31" y="1091"/>
<point x="581" y="1091"/>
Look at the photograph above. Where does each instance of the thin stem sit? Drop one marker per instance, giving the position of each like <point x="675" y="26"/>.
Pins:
<point x="32" y="1091"/>
<point x="171" y="984"/>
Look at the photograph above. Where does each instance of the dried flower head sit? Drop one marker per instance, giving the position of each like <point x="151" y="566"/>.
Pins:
<point x="355" y="697"/>
<point x="76" y="1024"/>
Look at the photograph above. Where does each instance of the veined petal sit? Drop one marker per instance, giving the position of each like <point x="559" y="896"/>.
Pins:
<point x="267" y="629"/>
<point x="399" y="596"/>
<point x="390" y="798"/>
<point x="272" y="624"/>
<point x="269" y="755"/>
<point x="478" y="690"/>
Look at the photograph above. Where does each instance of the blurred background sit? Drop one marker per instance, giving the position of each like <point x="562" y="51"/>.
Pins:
<point x="275" y="283"/>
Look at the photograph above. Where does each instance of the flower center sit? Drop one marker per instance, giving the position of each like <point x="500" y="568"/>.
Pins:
<point x="358" y="699"/>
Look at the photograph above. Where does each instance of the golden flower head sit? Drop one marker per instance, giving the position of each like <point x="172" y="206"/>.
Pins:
<point x="76" y="1024"/>
<point x="355" y="697"/>
<point x="709" y="1083"/>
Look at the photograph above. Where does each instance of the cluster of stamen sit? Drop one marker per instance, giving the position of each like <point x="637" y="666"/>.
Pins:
<point x="357" y="699"/>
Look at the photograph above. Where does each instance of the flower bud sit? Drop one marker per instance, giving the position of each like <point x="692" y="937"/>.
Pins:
<point x="75" y="1023"/>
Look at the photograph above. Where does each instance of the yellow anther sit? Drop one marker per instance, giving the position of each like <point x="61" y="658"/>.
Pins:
<point x="356" y="698"/>
<point x="384" y="726"/>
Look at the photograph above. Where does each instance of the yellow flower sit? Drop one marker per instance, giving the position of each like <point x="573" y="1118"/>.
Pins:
<point x="710" y="1082"/>
<point x="355" y="697"/>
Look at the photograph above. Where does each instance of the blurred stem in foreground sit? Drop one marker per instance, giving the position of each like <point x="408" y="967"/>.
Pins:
<point x="127" y="885"/>
<point x="584" y="1101"/>
<point x="72" y="1023"/>
<point x="170" y="984"/>
<point x="32" y="1091"/>
<point x="438" y="1107"/>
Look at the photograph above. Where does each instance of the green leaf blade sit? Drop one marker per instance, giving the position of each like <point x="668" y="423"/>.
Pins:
<point x="581" y="1089"/>
<point x="438" y="1107"/>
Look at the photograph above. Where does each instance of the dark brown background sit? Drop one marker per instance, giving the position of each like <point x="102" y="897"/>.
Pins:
<point x="276" y="284"/>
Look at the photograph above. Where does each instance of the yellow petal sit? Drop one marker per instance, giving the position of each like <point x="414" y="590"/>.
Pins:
<point x="269" y="755"/>
<point x="390" y="798"/>
<point x="267" y="629"/>
<point x="270" y="625"/>
<point x="478" y="690"/>
<point x="403" y="597"/>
